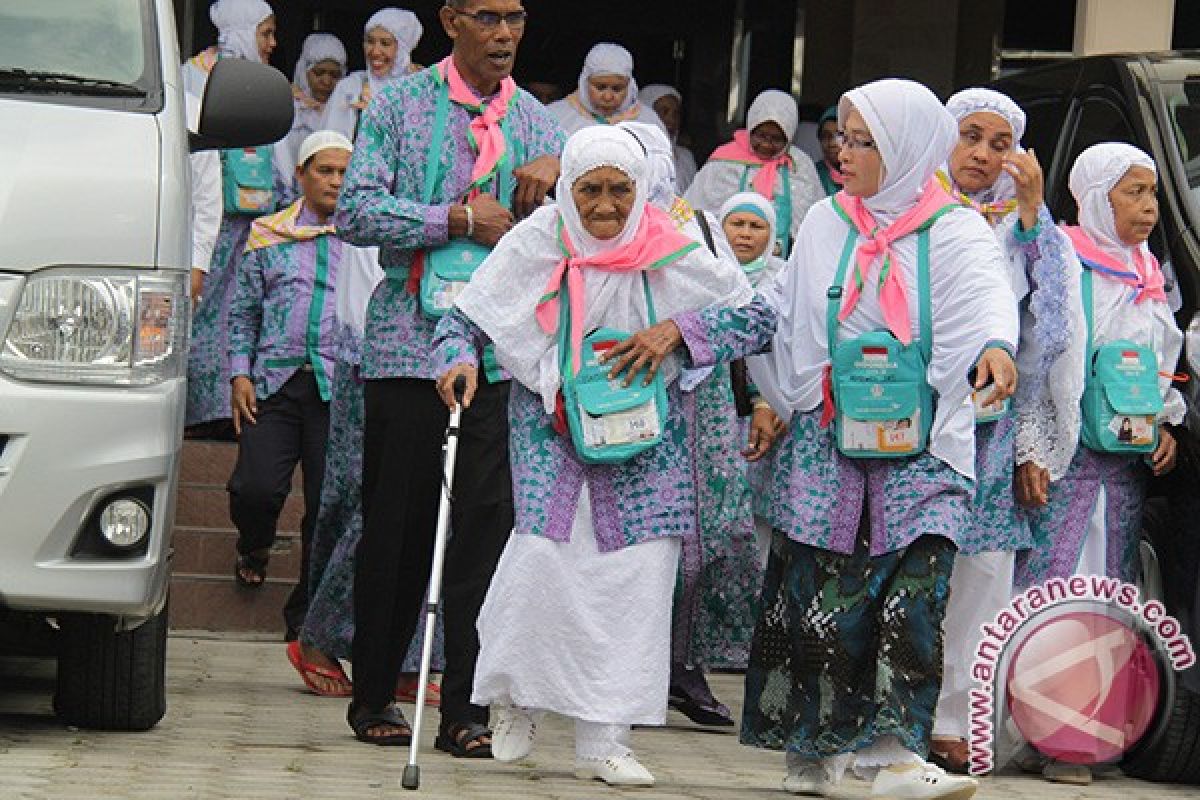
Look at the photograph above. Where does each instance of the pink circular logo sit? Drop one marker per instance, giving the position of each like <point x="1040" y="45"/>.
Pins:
<point x="1083" y="688"/>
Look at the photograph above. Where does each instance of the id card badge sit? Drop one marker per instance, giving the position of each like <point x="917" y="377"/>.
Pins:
<point x="1135" y="430"/>
<point x="889" y="436"/>
<point x="988" y="412"/>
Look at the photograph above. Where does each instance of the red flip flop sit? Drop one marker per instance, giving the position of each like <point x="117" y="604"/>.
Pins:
<point x="406" y="692"/>
<point x="309" y="672"/>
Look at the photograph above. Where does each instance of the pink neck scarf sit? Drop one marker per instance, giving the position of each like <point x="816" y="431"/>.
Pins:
<point x="739" y="150"/>
<point x="877" y="245"/>
<point x="485" y="131"/>
<point x="656" y="245"/>
<point x="1146" y="276"/>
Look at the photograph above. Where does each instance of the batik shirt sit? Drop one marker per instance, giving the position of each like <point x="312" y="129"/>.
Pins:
<point x="282" y="316"/>
<point x="381" y="205"/>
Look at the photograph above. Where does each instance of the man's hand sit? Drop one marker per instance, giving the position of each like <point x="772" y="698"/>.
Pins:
<point x="1027" y="177"/>
<point x="445" y="385"/>
<point x="244" y="402"/>
<point x="534" y="180"/>
<point x="646" y="348"/>
<point x="1162" y="460"/>
<point x="997" y="368"/>
<point x="491" y="220"/>
<point x="765" y="428"/>
<point x="1032" y="485"/>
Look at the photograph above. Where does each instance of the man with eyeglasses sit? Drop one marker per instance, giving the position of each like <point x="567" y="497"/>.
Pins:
<point x="449" y="158"/>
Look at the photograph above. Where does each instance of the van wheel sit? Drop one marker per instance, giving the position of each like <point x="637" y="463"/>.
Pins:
<point x="110" y="679"/>
<point x="1174" y="757"/>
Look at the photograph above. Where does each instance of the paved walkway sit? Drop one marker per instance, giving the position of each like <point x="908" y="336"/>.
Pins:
<point x="241" y="726"/>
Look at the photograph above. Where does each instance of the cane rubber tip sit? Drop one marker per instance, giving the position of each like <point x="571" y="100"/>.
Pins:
<point x="412" y="777"/>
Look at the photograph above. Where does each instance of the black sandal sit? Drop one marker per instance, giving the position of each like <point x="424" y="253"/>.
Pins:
<point x="362" y="721"/>
<point x="455" y="738"/>
<point x="255" y="565"/>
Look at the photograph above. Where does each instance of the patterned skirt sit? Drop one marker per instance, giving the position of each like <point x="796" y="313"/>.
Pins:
<point x="995" y="523"/>
<point x="719" y="576"/>
<point x="208" y="354"/>
<point x="848" y="648"/>
<point x="329" y="624"/>
<point x="1061" y="527"/>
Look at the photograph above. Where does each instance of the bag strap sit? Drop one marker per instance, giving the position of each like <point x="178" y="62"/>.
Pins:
<point x="924" y="296"/>
<point x="1089" y="310"/>
<point x="564" y="323"/>
<point x="834" y="293"/>
<point x="702" y="221"/>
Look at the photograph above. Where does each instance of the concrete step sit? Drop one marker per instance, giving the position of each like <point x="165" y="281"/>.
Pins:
<point x="205" y="506"/>
<point x="211" y="551"/>
<point x="211" y="463"/>
<point x="209" y="603"/>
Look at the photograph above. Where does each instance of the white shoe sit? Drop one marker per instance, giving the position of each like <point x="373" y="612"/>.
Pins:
<point x="807" y="779"/>
<point x="513" y="734"/>
<point x="615" y="771"/>
<point x="921" y="781"/>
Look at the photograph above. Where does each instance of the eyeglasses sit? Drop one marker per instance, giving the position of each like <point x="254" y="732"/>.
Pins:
<point x="490" y="20"/>
<point x="853" y="143"/>
<point x="777" y="141"/>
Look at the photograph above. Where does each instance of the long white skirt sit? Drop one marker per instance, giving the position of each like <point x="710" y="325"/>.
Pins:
<point x="568" y="629"/>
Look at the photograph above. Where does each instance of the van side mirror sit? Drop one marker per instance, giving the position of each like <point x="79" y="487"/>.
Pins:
<point x="245" y="104"/>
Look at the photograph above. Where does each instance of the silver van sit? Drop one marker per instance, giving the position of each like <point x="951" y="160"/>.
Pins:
<point x="95" y="244"/>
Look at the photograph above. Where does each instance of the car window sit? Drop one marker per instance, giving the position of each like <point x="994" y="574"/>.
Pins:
<point x="1182" y="99"/>
<point x="1099" y="120"/>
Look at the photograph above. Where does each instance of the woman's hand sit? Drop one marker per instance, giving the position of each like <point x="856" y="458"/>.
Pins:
<point x="645" y="349"/>
<point x="997" y="368"/>
<point x="445" y="385"/>
<point x="1027" y="177"/>
<point x="244" y="402"/>
<point x="1032" y="485"/>
<point x="1162" y="460"/>
<point x="765" y="428"/>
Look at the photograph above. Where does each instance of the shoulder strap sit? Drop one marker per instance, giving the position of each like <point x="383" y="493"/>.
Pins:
<point x="834" y="293"/>
<point x="650" y="314"/>
<point x="438" y="136"/>
<point x="1089" y="310"/>
<point x="702" y="221"/>
<point x="924" y="297"/>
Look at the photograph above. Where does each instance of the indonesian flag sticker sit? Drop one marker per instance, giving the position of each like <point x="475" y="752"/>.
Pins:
<point x="875" y="355"/>
<point x="1130" y="359"/>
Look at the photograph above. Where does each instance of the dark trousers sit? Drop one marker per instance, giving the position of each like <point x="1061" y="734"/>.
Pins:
<point x="292" y="427"/>
<point x="402" y="478"/>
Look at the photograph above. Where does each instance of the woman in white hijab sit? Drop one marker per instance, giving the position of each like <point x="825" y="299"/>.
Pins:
<point x="321" y="65"/>
<point x="989" y="172"/>
<point x="847" y="660"/>
<point x="607" y="92"/>
<point x="667" y="102"/>
<point x="1087" y="520"/>
<point x="245" y="29"/>
<point x="389" y="37"/>
<point x="762" y="158"/>
<point x="577" y="618"/>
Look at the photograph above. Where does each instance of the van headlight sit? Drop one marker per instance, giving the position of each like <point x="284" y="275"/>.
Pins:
<point x="126" y="328"/>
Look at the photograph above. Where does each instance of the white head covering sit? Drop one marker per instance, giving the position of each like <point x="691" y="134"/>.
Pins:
<point x="504" y="292"/>
<point x="774" y="106"/>
<point x="1096" y="171"/>
<point x="317" y="141"/>
<point x="660" y="162"/>
<point x="764" y="208"/>
<point x="607" y="58"/>
<point x="649" y="95"/>
<point x="407" y="29"/>
<point x="975" y="101"/>
<point x="318" y="47"/>
<point x="237" y="22"/>
<point x="913" y="132"/>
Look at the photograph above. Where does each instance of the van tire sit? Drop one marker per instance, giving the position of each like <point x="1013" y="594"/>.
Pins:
<point x="110" y="679"/>
<point x="1175" y="756"/>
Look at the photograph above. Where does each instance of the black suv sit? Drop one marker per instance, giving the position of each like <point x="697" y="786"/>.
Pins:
<point x="1152" y="101"/>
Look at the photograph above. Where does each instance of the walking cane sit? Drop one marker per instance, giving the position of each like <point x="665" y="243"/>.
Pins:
<point x="412" y="772"/>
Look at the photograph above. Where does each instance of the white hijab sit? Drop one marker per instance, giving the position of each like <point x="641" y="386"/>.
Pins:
<point x="407" y="29"/>
<point x="660" y="161"/>
<point x="774" y="106"/>
<point x="975" y="101"/>
<point x="607" y="58"/>
<point x="1096" y="171"/>
<point x="318" y="47"/>
<point x="503" y="295"/>
<point x="237" y="24"/>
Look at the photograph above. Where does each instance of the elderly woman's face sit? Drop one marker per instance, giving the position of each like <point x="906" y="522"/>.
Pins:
<point x="670" y="111"/>
<point x="768" y="140"/>
<point x="984" y="141"/>
<point x="264" y="36"/>
<point x="1135" y="205"/>
<point x="607" y="92"/>
<point x="862" y="166"/>
<point x="604" y="197"/>
<point x="380" y="48"/>
<point x="748" y="235"/>
<point x="322" y="77"/>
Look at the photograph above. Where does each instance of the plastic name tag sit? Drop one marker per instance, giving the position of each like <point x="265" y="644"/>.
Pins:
<point x="988" y="412"/>
<point x="892" y="436"/>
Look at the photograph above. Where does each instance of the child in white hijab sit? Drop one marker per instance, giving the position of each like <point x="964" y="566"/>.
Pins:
<point x="352" y="94"/>
<point x="762" y="158"/>
<point x="607" y="65"/>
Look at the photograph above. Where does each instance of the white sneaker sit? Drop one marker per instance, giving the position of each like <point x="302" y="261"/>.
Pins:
<point x="513" y="734"/>
<point x="921" y="781"/>
<point x="615" y="771"/>
<point x="806" y="779"/>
